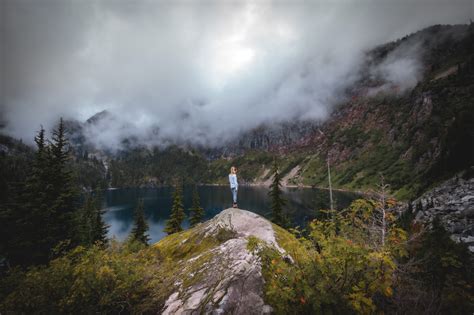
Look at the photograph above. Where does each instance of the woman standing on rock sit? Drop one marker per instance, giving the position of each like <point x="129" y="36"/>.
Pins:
<point x="234" y="185"/>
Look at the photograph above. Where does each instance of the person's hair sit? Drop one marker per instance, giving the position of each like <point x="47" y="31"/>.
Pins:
<point x="233" y="170"/>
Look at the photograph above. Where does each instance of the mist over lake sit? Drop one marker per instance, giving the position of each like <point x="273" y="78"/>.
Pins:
<point x="303" y="204"/>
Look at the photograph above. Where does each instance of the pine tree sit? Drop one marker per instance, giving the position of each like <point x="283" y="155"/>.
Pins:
<point x="445" y="269"/>
<point x="419" y="206"/>
<point x="33" y="234"/>
<point x="84" y="224"/>
<point x="26" y="216"/>
<point x="410" y="206"/>
<point x="91" y="226"/>
<point x="406" y="217"/>
<point x="177" y="216"/>
<point x="100" y="227"/>
<point x="140" y="228"/>
<point x="38" y="180"/>
<point x="30" y="243"/>
<point x="44" y="212"/>
<point x="60" y="189"/>
<point x="276" y="199"/>
<point x="196" y="211"/>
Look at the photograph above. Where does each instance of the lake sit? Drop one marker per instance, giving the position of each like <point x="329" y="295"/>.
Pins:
<point x="302" y="206"/>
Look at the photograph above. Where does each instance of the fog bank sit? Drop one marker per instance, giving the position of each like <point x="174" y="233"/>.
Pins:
<point x="197" y="71"/>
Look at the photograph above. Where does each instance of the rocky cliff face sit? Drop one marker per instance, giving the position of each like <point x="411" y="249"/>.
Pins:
<point x="453" y="202"/>
<point x="225" y="277"/>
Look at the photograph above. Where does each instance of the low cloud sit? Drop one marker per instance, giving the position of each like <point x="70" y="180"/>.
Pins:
<point x="197" y="72"/>
<point x="400" y="70"/>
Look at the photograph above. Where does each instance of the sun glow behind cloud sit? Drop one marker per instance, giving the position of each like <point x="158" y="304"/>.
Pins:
<point x="193" y="68"/>
<point x="233" y="53"/>
<point x="229" y="60"/>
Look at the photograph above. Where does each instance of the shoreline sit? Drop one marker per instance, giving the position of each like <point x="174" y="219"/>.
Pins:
<point x="365" y="193"/>
<point x="358" y="192"/>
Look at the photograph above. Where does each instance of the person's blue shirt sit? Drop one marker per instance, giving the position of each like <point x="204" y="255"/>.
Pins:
<point x="233" y="181"/>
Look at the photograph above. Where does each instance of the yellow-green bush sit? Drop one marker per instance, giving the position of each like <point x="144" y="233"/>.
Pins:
<point x="121" y="278"/>
<point x="86" y="280"/>
<point x="335" y="269"/>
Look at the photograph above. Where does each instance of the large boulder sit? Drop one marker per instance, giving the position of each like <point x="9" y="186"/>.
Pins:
<point x="217" y="273"/>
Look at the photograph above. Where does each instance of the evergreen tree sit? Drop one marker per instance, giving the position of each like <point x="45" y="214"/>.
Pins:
<point x="28" y="241"/>
<point x="100" y="227"/>
<point x="177" y="216"/>
<point x="406" y="217"/>
<point x="84" y="224"/>
<point x="410" y="206"/>
<point x="419" y="206"/>
<point x="140" y="228"/>
<point x="45" y="210"/>
<point x="35" y="188"/>
<point x="60" y="190"/>
<point x="446" y="271"/>
<point x="91" y="226"/>
<point x="196" y="211"/>
<point x="276" y="199"/>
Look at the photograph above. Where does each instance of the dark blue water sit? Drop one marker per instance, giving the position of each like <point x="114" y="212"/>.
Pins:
<point x="303" y="204"/>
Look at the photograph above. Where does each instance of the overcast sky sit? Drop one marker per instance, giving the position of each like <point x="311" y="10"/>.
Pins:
<point x="197" y="70"/>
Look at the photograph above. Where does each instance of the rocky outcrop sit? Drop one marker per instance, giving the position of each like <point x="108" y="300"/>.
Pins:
<point x="225" y="277"/>
<point x="453" y="202"/>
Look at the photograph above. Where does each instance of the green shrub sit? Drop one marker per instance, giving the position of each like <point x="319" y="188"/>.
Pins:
<point x="85" y="280"/>
<point x="337" y="269"/>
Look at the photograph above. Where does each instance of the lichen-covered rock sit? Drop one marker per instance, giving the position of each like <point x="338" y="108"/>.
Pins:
<point x="218" y="273"/>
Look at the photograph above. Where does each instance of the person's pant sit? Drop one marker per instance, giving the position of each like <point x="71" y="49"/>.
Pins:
<point x="234" y="194"/>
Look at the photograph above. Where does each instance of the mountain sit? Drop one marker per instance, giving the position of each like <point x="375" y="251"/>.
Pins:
<point x="97" y="118"/>
<point x="414" y="137"/>
<point x="416" y="134"/>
